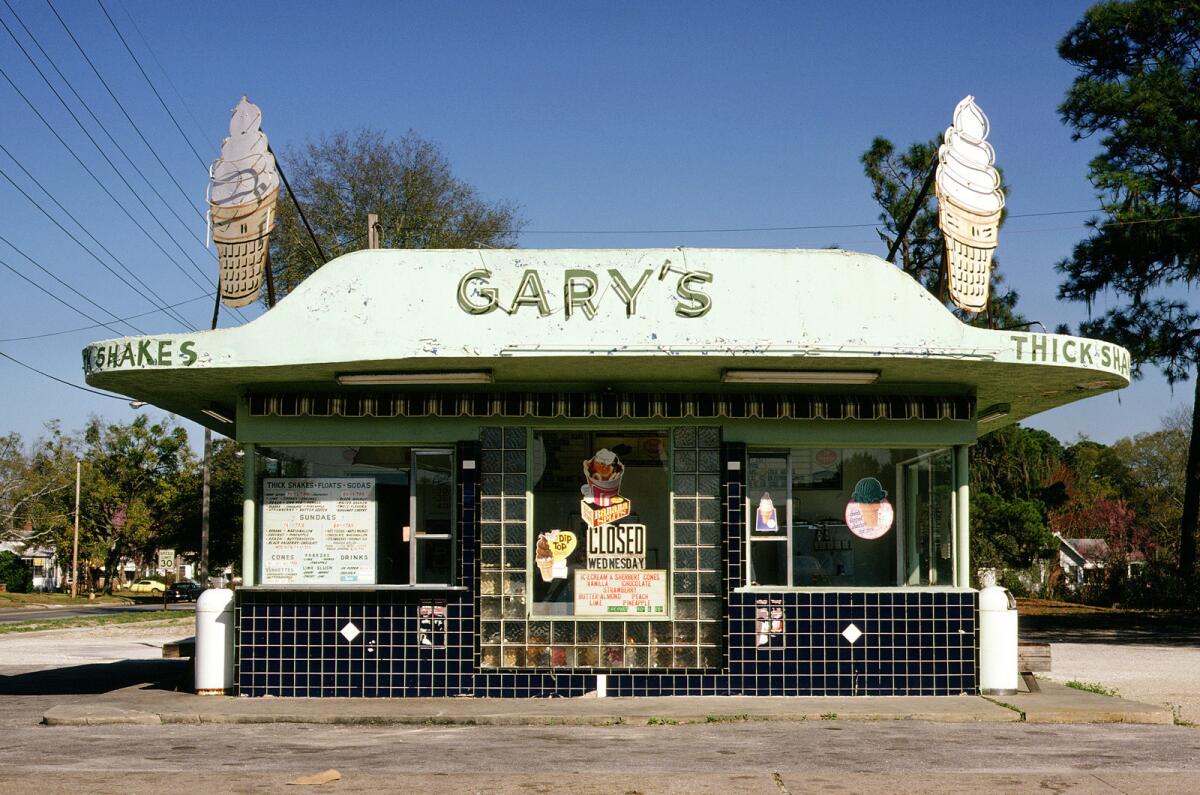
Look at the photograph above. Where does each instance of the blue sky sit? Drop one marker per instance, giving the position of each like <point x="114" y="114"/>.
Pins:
<point x="594" y="117"/>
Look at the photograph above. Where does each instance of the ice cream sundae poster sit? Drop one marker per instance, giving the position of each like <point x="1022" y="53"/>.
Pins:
<point x="602" y="502"/>
<point x="868" y="514"/>
<point x="551" y="553"/>
<point x="766" y="518"/>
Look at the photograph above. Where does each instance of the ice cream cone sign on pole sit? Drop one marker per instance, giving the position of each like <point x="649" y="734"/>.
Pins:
<point x="970" y="202"/>
<point x="243" y="188"/>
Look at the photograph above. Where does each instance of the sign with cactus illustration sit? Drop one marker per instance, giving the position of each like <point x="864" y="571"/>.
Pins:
<point x="868" y="514"/>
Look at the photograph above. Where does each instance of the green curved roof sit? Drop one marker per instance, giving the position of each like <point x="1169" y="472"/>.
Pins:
<point x="639" y="318"/>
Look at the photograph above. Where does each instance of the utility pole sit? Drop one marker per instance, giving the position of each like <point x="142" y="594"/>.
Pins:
<point x="75" y="554"/>
<point x="204" y="507"/>
<point x="372" y="230"/>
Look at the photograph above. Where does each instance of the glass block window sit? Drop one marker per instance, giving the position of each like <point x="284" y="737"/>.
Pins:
<point x="515" y="633"/>
<point x="502" y="564"/>
<point x="699" y="578"/>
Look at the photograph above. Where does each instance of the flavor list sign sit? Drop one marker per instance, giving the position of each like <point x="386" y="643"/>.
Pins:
<point x="318" y="531"/>
<point x="614" y="592"/>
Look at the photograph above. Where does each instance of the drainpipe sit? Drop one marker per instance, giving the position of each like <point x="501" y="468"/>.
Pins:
<point x="249" y="514"/>
<point x="962" y="516"/>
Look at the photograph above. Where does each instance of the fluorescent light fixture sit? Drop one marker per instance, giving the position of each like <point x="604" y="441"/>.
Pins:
<point x="992" y="413"/>
<point x="443" y="377"/>
<point x="799" y="377"/>
<point x="216" y="415"/>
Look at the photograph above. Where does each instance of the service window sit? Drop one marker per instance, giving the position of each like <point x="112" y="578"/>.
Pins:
<point x="600" y="538"/>
<point x="356" y="516"/>
<point x="849" y="517"/>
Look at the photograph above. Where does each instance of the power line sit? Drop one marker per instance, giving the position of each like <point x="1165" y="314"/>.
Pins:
<point x="98" y="325"/>
<point x="121" y="106"/>
<point x="97" y="180"/>
<point x="149" y="82"/>
<point x="137" y="197"/>
<point x="161" y="301"/>
<point x="117" y="146"/>
<point x="203" y="164"/>
<point x="60" y="380"/>
<point x="161" y="68"/>
<point x="67" y="304"/>
<point x="49" y="273"/>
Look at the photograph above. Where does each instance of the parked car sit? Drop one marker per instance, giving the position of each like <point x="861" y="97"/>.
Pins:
<point x="147" y="586"/>
<point x="185" y="591"/>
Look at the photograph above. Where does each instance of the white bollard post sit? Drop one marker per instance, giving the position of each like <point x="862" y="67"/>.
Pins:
<point x="214" y="642"/>
<point x="998" y="673"/>
<point x="601" y="685"/>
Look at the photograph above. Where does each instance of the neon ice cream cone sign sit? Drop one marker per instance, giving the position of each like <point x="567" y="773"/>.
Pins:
<point x="970" y="203"/>
<point x="243" y="188"/>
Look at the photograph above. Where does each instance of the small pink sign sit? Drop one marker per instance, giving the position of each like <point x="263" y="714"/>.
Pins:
<point x="869" y="520"/>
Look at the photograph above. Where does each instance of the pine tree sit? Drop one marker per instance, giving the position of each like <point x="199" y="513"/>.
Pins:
<point x="1138" y="88"/>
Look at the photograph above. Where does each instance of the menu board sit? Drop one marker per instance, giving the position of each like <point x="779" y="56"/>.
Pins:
<point x="318" y="531"/>
<point x="614" y="592"/>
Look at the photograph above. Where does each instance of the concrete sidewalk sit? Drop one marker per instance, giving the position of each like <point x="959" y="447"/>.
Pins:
<point x="1055" y="704"/>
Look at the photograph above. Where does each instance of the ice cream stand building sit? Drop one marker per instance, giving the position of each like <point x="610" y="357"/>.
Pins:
<point x="693" y="471"/>
<point x="636" y="471"/>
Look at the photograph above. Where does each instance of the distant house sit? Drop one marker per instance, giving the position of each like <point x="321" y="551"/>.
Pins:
<point x="47" y="574"/>
<point x="1081" y="558"/>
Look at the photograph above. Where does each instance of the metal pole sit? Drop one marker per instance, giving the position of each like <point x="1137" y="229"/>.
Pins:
<point x="204" y="502"/>
<point x="916" y="208"/>
<point x="75" y="553"/>
<point x="299" y="209"/>
<point x="962" y="515"/>
<point x="249" y="516"/>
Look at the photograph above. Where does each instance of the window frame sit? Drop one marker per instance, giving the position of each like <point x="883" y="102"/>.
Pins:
<point x="531" y="509"/>
<point x="449" y="448"/>
<point x="923" y="452"/>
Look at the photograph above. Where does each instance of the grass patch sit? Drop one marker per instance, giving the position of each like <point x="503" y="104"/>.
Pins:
<point x="1177" y="716"/>
<point x="828" y="716"/>
<point x="1006" y="705"/>
<point x="38" y="625"/>
<point x="662" y="722"/>
<point x="19" y="600"/>
<point x="726" y="718"/>
<point x="1093" y="687"/>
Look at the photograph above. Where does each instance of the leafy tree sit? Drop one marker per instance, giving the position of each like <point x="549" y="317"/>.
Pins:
<point x="896" y="180"/>
<point x="1013" y="461"/>
<point x="181" y="521"/>
<point x="341" y="178"/>
<point x="30" y="480"/>
<point x="130" y="475"/>
<point x="1008" y="533"/>
<point x="15" y="575"/>
<point x="1138" y="88"/>
<point x="1156" y="463"/>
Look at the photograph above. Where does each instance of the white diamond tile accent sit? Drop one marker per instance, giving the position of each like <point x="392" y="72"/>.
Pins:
<point x="851" y="633"/>
<point x="350" y="632"/>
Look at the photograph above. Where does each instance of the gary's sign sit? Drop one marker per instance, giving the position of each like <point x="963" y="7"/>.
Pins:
<point x="580" y="291"/>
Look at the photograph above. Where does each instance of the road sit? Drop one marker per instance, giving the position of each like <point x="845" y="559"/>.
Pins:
<point x="1155" y="664"/>
<point x="41" y="670"/>
<point x="834" y="756"/>
<point x="73" y="611"/>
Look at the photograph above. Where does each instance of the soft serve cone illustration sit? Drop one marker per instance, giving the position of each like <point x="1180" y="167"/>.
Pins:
<point x="243" y="188"/>
<point x="970" y="202"/>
